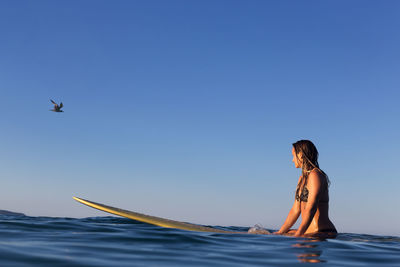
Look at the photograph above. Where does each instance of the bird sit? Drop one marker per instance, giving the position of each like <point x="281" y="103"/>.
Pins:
<point x="57" y="108"/>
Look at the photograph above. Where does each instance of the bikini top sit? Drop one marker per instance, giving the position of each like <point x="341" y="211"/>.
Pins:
<point x="303" y="196"/>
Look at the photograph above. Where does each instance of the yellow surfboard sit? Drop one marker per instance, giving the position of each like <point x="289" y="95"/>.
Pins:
<point x="152" y="219"/>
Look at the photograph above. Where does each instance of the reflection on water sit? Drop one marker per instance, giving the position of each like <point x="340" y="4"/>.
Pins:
<point x="311" y="252"/>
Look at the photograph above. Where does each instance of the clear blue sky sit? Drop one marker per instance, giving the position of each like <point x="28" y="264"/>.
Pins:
<point x="188" y="109"/>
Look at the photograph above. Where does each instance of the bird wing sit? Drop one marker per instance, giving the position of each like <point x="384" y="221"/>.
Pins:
<point x="53" y="102"/>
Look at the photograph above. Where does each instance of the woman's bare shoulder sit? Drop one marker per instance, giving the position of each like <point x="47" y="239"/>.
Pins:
<point x="317" y="172"/>
<point x="316" y="176"/>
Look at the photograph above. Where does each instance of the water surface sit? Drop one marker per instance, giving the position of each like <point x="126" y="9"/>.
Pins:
<point x="113" y="241"/>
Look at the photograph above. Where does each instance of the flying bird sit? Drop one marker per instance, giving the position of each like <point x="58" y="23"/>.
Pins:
<point x="57" y="108"/>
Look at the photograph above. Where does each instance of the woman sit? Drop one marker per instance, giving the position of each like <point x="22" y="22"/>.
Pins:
<point x="312" y="196"/>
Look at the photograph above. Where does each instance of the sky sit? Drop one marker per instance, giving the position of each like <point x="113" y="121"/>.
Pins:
<point x="188" y="109"/>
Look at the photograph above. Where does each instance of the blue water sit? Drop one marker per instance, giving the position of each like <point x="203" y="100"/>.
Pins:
<point x="112" y="241"/>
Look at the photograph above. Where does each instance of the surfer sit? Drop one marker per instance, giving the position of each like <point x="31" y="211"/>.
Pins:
<point x="312" y="196"/>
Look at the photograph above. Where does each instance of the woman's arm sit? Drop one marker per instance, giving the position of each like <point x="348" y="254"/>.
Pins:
<point x="314" y="190"/>
<point x="291" y="218"/>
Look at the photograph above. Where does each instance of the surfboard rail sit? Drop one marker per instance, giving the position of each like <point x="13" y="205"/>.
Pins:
<point x="162" y="222"/>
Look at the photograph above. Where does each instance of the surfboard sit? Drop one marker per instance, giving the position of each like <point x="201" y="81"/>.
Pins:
<point x="152" y="219"/>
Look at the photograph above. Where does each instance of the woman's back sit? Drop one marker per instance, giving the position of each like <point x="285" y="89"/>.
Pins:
<point x="321" y="221"/>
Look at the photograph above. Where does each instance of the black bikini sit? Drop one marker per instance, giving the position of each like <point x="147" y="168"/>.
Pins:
<point x="329" y="230"/>
<point x="303" y="197"/>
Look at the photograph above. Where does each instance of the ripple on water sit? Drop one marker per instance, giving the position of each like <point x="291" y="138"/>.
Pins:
<point x="113" y="241"/>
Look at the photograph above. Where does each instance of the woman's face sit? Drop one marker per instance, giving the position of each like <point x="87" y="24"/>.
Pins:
<point x="296" y="160"/>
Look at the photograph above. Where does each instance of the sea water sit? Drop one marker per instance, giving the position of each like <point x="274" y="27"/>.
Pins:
<point x="113" y="241"/>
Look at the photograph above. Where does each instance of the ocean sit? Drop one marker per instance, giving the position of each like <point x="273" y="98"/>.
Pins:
<point x="113" y="241"/>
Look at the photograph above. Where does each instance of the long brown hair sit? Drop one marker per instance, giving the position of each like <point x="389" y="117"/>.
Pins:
<point x="309" y="159"/>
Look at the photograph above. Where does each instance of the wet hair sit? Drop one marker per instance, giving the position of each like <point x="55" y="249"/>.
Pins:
<point x="309" y="158"/>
